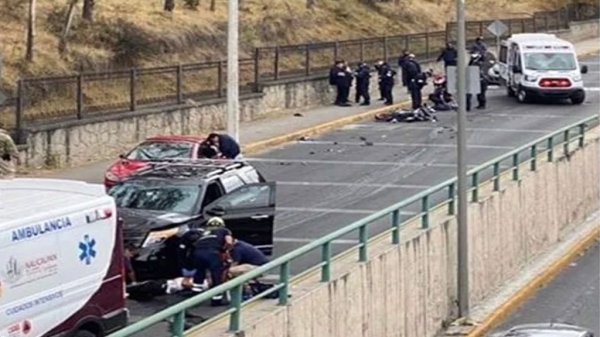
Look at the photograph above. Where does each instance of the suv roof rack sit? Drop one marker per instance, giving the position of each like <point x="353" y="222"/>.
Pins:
<point x="189" y="167"/>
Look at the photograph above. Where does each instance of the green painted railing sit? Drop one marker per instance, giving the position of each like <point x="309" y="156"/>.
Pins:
<point x="547" y="144"/>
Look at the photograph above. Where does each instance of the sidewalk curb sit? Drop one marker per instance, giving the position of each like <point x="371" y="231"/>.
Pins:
<point x="532" y="287"/>
<point x="318" y="129"/>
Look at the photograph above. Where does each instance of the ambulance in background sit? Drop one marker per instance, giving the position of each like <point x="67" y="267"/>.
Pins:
<point x="540" y="66"/>
<point x="61" y="260"/>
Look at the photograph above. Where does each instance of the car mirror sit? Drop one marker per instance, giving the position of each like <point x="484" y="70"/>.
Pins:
<point x="216" y="211"/>
<point x="584" y="69"/>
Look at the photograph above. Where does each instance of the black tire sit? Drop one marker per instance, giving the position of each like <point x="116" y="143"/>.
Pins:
<point x="84" y="333"/>
<point x="522" y="96"/>
<point x="578" y="98"/>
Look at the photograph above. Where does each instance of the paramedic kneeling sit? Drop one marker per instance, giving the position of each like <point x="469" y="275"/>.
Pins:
<point x="245" y="258"/>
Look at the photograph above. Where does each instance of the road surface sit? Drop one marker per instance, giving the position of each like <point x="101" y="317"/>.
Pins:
<point x="573" y="297"/>
<point x="338" y="178"/>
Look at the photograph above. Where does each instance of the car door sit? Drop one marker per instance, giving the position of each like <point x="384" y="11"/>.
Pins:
<point x="249" y="212"/>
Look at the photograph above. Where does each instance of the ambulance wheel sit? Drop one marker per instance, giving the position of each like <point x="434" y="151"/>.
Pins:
<point x="578" y="98"/>
<point x="84" y="333"/>
<point x="509" y="91"/>
<point x="522" y="96"/>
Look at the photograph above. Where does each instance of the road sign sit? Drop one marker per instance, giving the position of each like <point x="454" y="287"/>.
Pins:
<point x="498" y="28"/>
<point x="472" y="79"/>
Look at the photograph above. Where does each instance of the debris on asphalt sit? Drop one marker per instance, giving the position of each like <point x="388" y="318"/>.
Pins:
<point x="297" y="114"/>
<point x="304" y="139"/>
<point x="369" y="144"/>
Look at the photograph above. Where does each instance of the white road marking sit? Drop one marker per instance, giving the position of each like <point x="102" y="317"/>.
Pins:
<point x="344" y="162"/>
<point x="315" y="183"/>
<point x="334" y="210"/>
<point x="376" y="143"/>
<point x="309" y="240"/>
<point x="592" y="89"/>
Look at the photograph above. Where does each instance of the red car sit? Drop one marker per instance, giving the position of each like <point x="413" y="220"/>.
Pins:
<point x="152" y="149"/>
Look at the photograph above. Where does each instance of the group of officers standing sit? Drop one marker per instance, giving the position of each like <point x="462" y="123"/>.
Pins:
<point x="412" y="77"/>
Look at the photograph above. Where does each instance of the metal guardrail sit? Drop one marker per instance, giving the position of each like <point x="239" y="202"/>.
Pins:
<point x="548" y="144"/>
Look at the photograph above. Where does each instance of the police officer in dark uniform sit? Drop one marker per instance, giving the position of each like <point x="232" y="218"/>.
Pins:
<point x="387" y="83"/>
<point x="337" y="65"/>
<point x="363" y="76"/>
<point x="449" y="55"/>
<point x="401" y="63"/>
<point x="415" y="81"/>
<point x="477" y="60"/>
<point x="343" y="83"/>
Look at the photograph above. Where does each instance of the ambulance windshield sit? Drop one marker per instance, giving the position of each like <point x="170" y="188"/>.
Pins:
<point x="550" y="61"/>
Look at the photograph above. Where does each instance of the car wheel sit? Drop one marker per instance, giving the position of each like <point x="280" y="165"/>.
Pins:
<point x="84" y="333"/>
<point x="578" y="98"/>
<point x="522" y="96"/>
<point x="509" y="91"/>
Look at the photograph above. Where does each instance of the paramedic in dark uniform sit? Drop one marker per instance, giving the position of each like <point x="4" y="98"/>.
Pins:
<point x="387" y="83"/>
<point x="245" y="257"/>
<point x="363" y="77"/>
<point x="206" y="252"/>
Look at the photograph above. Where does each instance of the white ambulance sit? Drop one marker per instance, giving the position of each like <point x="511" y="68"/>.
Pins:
<point x="542" y="66"/>
<point x="61" y="260"/>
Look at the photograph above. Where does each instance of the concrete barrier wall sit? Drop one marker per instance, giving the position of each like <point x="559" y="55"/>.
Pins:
<point x="73" y="143"/>
<point x="409" y="290"/>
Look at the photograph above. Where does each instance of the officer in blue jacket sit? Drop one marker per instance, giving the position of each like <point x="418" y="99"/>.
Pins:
<point x="228" y="147"/>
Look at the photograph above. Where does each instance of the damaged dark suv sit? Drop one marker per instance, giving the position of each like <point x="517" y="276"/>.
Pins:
<point x="161" y="202"/>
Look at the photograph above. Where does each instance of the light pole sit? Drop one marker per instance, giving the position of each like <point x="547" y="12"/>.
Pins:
<point x="233" y="108"/>
<point x="463" y="240"/>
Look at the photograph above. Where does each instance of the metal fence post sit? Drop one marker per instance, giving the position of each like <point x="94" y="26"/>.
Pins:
<point x="385" y="48"/>
<point x="516" y="166"/>
<point x="427" y="52"/>
<point x="546" y="24"/>
<point x="220" y="79"/>
<point x="581" y="135"/>
<point x="534" y="23"/>
<point x="19" y="111"/>
<point x="497" y="176"/>
<point x="276" y="64"/>
<point x="481" y="28"/>
<point x="179" y="84"/>
<point x="326" y="260"/>
<point x="132" y="98"/>
<point x="335" y="50"/>
<point x="396" y="227"/>
<point x="363" y="238"/>
<point x="452" y="197"/>
<point x="523" y="29"/>
<point x="567" y="137"/>
<point x="425" y="212"/>
<point x="362" y="50"/>
<point x="475" y="185"/>
<point x="236" y="304"/>
<point x="406" y="42"/>
<point x="550" y="148"/>
<point x="178" y="324"/>
<point x="533" y="157"/>
<point x="256" y="69"/>
<point x="307" y="60"/>
<point x="79" y="95"/>
<point x="284" y="278"/>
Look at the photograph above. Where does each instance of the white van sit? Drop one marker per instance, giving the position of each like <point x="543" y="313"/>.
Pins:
<point x="61" y="260"/>
<point x="540" y="65"/>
